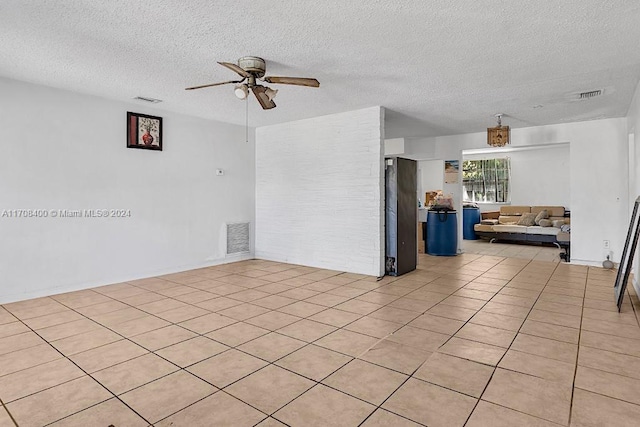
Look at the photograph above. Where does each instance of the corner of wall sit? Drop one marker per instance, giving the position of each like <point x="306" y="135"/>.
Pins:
<point x="383" y="240"/>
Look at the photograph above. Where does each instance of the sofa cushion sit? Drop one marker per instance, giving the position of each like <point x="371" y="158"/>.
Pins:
<point x="483" y="227"/>
<point x="552" y="210"/>
<point x="514" y="210"/>
<point x="508" y="219"/>
<point x="490" y="214"/>
<point x="504" y="228"/>
<point x="489" y="222"/>
<point x="527" y="219"/>
<point x="543" y="214"/>
<point x="547" y="231"/>
<point x="545" y="223"/>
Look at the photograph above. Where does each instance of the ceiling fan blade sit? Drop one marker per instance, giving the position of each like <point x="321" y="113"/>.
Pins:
<point x="236" y="68"/>
<point x="263" y="99"/>
<point x="299" y="81"/>
<point x="214" y="84"/>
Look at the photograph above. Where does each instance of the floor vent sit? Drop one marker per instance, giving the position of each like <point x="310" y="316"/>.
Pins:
<point x="237" y="238"/>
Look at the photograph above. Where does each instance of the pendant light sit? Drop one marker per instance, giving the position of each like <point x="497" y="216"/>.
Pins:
<point x="498" y="136"/>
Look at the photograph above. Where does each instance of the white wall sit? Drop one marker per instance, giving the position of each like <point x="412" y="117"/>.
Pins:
<point x="532" y="183"/>
<point x="597" y="181"/>
<point x="430" y="177"/>
<point x="633" y="139"/>
<point x="63" y="150"/>
<point x="319" y="192"/>
<point x="393" y="146"/>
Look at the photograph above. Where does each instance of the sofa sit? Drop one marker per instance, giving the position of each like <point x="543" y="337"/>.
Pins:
<point x="512" y="224"/>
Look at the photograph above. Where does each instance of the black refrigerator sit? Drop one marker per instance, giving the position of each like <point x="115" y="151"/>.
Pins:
<point x="401" y="214"/>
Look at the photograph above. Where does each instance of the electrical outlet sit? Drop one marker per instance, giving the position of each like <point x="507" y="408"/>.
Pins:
<point x="605" y="244"/>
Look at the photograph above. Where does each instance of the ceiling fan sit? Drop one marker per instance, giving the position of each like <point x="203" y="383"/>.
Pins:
<point x="252" y="70"/>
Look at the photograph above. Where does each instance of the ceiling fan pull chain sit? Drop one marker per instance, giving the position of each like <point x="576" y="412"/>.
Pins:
<point x="246" y="123"/>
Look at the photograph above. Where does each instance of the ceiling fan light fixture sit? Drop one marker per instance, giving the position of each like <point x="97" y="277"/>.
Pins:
<point x="252" y="69"/>
<point x="271" y="93"/>
<point x="499" y="136"/>
<point x="241" y="91"/>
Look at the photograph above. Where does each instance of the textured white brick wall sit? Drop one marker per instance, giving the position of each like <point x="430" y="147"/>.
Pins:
<point x="319" y="192"/>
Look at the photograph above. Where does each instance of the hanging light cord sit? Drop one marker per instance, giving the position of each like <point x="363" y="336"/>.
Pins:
<point x="246" y="123"/>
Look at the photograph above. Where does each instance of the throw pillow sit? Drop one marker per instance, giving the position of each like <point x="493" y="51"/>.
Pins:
<point x="543" y="214"/>
<point x="545" y="223"/>
<point x="558" y="223"/>
<point x="527" y="219"/>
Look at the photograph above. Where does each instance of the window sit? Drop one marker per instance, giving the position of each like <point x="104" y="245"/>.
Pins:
<point x="486" y="181"/>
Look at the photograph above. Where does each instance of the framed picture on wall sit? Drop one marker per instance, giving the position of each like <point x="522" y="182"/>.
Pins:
<point x="144" y="131"/>
<point x="451" y="170"/>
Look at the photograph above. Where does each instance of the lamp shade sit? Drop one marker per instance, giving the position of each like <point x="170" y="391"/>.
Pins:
<point x="271" y="93"/>
<point x="241" y="91"/>
<point x="498" y="136"/>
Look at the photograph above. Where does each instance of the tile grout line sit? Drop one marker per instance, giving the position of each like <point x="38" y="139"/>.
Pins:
<point x="89" y="375"/>
<point x="3" y="406"/>
<point x="307" y="344"/>
<point x="184" y="369"/>
<point x="218" y="389"/>
<point x="180" y="368"/>
<point x="271" y="331"/>
<point x="134" y="307"/>
<point x="86" y="374"/>
<point x="495" y="368"/>
<point x="236" y="320"/>
<point x="169" y="361"/>
<point x="124" y="338"/>
<point x="479" y="398"/>
<point x="356" y="358"/>
<point x="577" y="365"/>
<point x="410" y="376"/>
<point x="575" y="372"/>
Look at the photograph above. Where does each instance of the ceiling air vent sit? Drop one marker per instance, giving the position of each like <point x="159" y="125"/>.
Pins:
<point x="145" y="99"/>
<point x="590" y="94"/>
<point x="237" y="238"/>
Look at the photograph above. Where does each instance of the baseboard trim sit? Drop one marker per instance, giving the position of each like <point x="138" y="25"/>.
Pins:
<point x="62" y="289"/>
<point x="586" y="262"/>
<point x="267" y="256"/>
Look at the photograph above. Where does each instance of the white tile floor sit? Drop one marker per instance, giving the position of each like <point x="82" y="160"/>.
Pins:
<point x="512" y="250"/>
<point x="472" y="340"/>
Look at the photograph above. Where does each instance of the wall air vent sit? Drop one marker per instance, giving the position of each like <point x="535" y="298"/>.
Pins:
<point x="237" y="238"/>
<point x="145" y="99"/>
<point x="590" y="94"/>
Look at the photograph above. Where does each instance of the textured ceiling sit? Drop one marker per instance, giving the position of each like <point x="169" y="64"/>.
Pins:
<point x="440" y="67"/>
